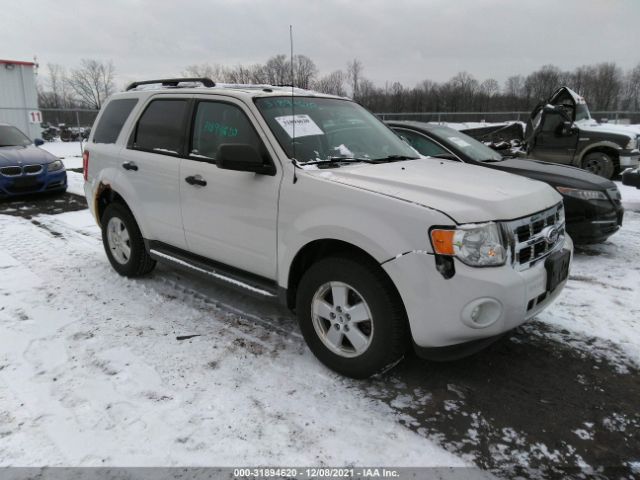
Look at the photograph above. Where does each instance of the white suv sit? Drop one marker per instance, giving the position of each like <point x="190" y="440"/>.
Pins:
<point x="309" y="199"/>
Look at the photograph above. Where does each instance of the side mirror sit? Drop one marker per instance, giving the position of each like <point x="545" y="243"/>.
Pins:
<point x="38" y="141"/>
<point x="242" y="158"/>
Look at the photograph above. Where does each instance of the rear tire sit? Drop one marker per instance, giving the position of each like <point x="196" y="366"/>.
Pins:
<point x="123" y="242"/>
<point x="599" y="163"/>
<point x="351" y="317"/>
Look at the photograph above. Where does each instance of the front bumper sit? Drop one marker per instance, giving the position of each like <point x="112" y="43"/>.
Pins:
<point x="437" y="307"/>
<point x="27" y="184"/>
<point x="592" y="221"/>
<point x="629" y="158"/>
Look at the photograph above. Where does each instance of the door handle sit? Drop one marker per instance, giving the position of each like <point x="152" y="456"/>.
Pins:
<point x="196" y="180"/>
<point x="130" y="166"/>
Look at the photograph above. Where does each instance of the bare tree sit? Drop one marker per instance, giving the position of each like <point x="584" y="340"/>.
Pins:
<point x="206" y="70"/>
<point x="93" y="82"/>
<point x="332" y="83"/>
<point x="304" y="71"/>
<point x="631" y="96"/>
<point x="354" y="73"/>
<point x="541" y="83"/>
<point x="278" y="70"/>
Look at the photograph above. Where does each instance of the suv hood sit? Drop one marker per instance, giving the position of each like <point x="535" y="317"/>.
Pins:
<point x="29" y="155"/>
<point x="466" y="193"/>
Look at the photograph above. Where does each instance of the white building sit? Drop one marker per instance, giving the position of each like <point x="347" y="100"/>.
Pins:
<point x="18" y="97"/>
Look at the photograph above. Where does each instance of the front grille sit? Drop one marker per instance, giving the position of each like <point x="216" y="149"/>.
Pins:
<point x="533" y="238"/>
<point x="11" y="171"/>
<point x="32" y="169"/>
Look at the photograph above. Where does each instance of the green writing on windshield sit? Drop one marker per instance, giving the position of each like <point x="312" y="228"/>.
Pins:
<point x="286" y="103"/>
<point x="220" y="130"/>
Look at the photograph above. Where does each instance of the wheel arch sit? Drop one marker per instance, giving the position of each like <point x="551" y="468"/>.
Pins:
<point x="322" y="248"/>
<point x="106" y="195"/>
<point x="609" y="148"/>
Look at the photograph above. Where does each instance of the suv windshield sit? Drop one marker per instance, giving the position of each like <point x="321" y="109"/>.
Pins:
<point x="478" y="151"/>
<point x="12" y="137"/>
<point x="330" y="129"/>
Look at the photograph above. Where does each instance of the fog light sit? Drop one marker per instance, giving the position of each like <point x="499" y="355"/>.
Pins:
<point x="481" y="313"/>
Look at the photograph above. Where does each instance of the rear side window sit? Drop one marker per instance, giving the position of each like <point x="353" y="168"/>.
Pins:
<point x="421" y="143"/>
<point x="112" y="120"/>
<point x="161" y="127"/>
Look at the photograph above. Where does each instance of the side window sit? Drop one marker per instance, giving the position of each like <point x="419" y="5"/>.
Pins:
<point x="421" y="143"/>
<point x="217" y="123"/>
<point x="112" y="120"/>
<point x="161" y="127"/>
<point x="552" y="122"/>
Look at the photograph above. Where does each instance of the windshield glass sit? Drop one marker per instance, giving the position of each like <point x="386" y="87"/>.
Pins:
<point x="582" y="112"/>
<point x="12" y="137"/>
<point x="471" y="147"/>
<point x="329" y="128"/>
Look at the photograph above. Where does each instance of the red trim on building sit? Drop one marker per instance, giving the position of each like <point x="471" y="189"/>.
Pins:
<point x="15" y="62"/>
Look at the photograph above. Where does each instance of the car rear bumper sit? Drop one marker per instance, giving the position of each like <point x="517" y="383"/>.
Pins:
<point x="438" y="308"/>
<point x="29" y="184"/>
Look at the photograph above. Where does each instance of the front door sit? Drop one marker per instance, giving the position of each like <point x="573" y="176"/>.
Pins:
<point x="228" y="216"/>
<point x="551" y="143"/>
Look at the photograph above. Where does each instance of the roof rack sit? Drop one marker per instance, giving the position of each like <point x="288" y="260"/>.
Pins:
<point x="173" y="82"/>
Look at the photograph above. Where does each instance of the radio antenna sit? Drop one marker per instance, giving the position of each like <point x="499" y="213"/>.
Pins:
<point x="293" y="111"/>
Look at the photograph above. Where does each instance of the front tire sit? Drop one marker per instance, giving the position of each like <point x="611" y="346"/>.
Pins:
<point x="351" y="316"/>
<point x="599" y="163"/>
<point x="123" y="242"/>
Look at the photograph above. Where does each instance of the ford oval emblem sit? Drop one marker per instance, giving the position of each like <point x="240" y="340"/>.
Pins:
<point x="551" y="234"/>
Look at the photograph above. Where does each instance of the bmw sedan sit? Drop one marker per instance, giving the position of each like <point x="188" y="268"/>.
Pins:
<point x="592" y="203"/>
<point x="25" y="168"/>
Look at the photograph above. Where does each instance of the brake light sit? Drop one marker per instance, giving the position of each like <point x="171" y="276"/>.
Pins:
<point x="85" y="164"/>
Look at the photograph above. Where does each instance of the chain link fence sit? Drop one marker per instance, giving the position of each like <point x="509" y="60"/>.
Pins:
<point x="622" y="117"/>
<point x="77" y="117"/>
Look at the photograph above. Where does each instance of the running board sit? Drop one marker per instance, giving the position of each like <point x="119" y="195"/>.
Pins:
<point x="246" y="282"/>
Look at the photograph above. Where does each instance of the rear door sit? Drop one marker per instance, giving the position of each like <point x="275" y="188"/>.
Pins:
<point x="151" y="164"/>
<point x="228" y="216"/>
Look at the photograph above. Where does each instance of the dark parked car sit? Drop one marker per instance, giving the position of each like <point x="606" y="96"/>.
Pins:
<point x="592" y="203"/>
<point x="25" y="168"/>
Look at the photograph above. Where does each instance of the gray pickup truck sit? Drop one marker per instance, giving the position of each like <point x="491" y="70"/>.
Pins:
<point x="561" y="130"/>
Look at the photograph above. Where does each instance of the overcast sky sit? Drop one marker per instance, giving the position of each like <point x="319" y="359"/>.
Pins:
<point x="396" y="40"/>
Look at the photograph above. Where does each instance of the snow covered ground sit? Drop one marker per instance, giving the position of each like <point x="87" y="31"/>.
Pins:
<point x="69" y="152"/>
<point x="170" y="370"/>
<point x="93" y="371"/>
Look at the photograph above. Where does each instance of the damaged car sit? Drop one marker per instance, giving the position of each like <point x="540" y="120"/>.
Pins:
<point x="561" y="130"/>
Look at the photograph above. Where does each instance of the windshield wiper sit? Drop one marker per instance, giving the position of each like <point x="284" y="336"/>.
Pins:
<point x="338" y="160"/>
<point x="393" y="158"/>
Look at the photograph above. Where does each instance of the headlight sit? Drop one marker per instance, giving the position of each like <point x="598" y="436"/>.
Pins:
<point x="55" y="166"/>
<point x="582" y="194"/>
<point x="475" y="245"/>
<point x="632" y="145"/>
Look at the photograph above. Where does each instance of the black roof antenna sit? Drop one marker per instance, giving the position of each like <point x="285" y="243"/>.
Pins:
<point x="293" y="114"/>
